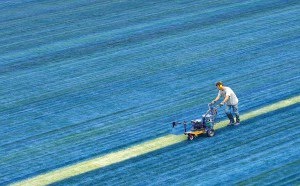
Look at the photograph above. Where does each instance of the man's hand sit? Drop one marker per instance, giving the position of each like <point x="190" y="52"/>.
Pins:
<point x="213" y="102"/>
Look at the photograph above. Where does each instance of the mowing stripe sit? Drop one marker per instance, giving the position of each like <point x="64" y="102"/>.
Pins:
<point x="137" y="150"/>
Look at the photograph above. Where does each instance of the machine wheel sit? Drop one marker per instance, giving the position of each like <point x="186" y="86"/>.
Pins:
<point x="191" y="136"/>
<point x="210" y="132"/>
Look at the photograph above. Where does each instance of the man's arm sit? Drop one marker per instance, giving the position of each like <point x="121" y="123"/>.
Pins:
<point x="216" y="99"/>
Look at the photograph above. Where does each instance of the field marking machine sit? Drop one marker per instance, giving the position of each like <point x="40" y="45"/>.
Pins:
<point x="204" y="125"/>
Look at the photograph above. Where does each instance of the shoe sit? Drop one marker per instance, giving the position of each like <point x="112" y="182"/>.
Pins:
<point x="237" y="121"/>
<point x="231" y="123"/>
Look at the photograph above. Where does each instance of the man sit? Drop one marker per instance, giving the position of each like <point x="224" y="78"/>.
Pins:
<point x="231" y="102"/>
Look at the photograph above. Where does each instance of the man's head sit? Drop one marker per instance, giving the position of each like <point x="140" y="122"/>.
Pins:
<point x="220" y="85"/>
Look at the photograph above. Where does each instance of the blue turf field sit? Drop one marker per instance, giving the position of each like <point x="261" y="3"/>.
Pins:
<point x="85" y="78"/>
